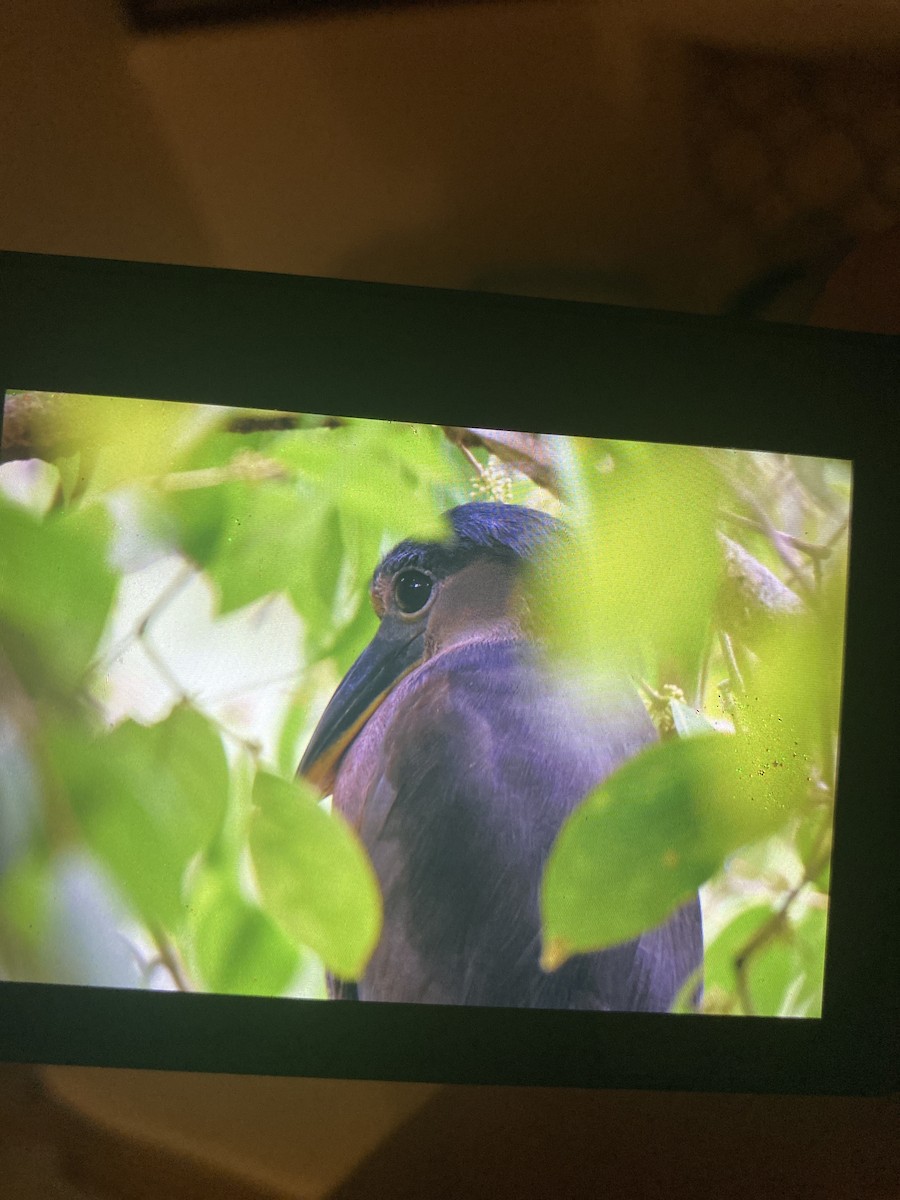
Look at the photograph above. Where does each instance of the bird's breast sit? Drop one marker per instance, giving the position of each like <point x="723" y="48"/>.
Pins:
<point x="458" y="785"/>
<point x="487" y="723"/>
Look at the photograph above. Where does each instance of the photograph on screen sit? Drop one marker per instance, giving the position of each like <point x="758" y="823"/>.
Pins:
<point x="299" y="705"/>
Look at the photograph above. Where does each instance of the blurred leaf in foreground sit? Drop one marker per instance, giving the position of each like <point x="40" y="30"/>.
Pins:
<point x="659" y="827"/>
<point x="147" y="800"/>
<point x="784" y="978"/>
<point x="634" y="586"/>
<point x="120" y="441"/>
<point x="385" y="473"/>
<point x="314" y="876"/>
<point x="236" y="947"/>
<point x="56" y="590"/>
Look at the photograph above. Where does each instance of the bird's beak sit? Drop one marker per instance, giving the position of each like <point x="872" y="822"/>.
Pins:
<point x="394" y="651"/>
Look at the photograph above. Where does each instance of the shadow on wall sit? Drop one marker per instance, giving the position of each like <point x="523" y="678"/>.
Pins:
<point x="788" y="161"/>
<point x="552" y="141"/>
<point x="438" y="146"/>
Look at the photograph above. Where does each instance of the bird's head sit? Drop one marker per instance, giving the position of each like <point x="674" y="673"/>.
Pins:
<point x="430" y="596"/>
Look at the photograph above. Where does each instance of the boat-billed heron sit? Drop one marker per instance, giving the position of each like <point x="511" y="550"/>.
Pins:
<point x="457" y="753"/>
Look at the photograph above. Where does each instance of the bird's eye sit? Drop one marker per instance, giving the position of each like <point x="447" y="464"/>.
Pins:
<point x="412" y="590"/>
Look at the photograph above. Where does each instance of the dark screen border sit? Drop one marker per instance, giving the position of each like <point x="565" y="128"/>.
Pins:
<point x="382" y="351"/>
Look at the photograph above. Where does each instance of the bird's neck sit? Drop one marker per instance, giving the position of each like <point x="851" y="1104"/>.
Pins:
<point x="479" y="604"/>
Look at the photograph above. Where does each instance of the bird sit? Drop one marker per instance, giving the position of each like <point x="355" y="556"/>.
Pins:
<point x="457" y="752"/>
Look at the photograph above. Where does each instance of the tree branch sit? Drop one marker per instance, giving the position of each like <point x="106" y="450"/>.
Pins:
<point x="751" y="594"/>
<point x="768" y="931"/>
<point x="815" y="551"/>
<point x="528" y="453"/>
<point x="170" y="960"/>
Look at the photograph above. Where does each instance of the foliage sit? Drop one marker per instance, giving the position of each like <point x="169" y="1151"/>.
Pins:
<point x="181" y="589"/>
<point x="761" y="663"/>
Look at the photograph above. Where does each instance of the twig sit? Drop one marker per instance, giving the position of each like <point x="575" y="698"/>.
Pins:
<point x="827" y="546"/>
<point x="780" y="544"/>
<point x="246" y="467"/>
<point x="170" y="960"/>
<point x="770" y="929"/>
<point x="136" y="953"/>
<point x="816" y="551"/>
<point x="837" y="533"/>
<point x="141" y="630"/>
<point x="165" y="670"/>
<point x="249" y="689"/>
<point x="529" y="453"/>
<point x="652" y="693"/>
<point x="472" y="459"/>
<point x="166" y="596"/>
<point x="736" y="679"/>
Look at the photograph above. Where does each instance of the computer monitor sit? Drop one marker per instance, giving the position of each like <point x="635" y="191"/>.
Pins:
<point x="609" y="802"/>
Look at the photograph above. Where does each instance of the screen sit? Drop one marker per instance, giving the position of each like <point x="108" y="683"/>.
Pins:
<point x="319" y="707"/>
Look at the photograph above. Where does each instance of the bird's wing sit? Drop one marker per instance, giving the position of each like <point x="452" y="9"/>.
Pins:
<point x="478" y="761"/>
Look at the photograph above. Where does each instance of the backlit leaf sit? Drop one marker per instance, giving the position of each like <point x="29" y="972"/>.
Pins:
<point x="236" y="947"/>
<point x="635" y="584"/>
<point x="55" y="593"/>
<point x="147" y="800"/>
<point x="654" y="832"/>
<point x="314" y="876"/>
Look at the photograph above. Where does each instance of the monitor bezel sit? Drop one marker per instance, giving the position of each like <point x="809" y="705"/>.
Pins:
<point x="457" y="358"/>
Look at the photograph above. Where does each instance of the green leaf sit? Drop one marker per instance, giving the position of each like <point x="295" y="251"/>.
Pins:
<point x="197" y="520"/>
<point x="24" y="896"/>
<point x="721" y="951"/>
<point x="655" y="831"/>
<point x="643" y="556"/>
<point x="382" y="472"/>
<point x="121" y="440"/>
<point x="784" y="977"/>
<point x="296" y="720"/>
<point x="314" y="876"/>
<point x="258" y="539"/>
<point x="147" y="800"/>
<point x="354" y="638"/>
<point x="290" y="545"/>
<point x="792" y="695"/>
<point x="236" y="948"/>
<point x="56" y="590"/>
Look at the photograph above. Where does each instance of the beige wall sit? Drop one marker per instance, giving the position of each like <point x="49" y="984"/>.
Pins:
<point x="85" y="169"/>
<point x="533" y="146"/>
<point x="434" y="146"/>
